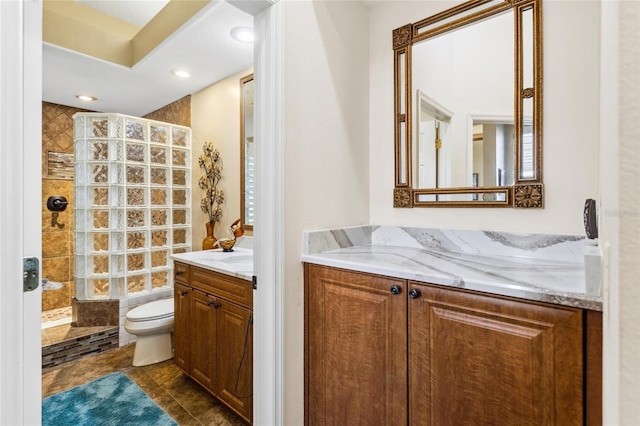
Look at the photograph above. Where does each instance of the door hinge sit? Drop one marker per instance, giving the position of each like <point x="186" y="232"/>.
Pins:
<point x="30" y="273"/>
<point x="254" y="280"/>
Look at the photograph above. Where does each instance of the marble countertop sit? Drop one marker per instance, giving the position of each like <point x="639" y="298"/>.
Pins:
<point x="558" y="279"/>
<point x="237" y="263"/>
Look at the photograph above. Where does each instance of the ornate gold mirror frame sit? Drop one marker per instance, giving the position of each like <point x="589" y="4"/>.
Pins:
<point x="527" y="190"/>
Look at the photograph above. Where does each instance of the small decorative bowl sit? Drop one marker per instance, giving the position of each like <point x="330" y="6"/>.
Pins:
<point x="227" y="244"/>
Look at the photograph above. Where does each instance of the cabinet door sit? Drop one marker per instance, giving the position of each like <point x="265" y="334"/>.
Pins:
<point x="203" y="339"/>
<point x="181" y="329"/>
<point x="234" y="382"/>
<point x="479" y="360"/>
<point x="356" y="348"/>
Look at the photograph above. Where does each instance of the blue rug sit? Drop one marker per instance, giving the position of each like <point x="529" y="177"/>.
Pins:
<point x="109" y="400"/>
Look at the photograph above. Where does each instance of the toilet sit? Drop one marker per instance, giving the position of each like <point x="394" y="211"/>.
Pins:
<point x="152" y="324"/>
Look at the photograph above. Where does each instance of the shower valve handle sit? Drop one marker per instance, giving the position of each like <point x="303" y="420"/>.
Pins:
<point x="57" y="203"/>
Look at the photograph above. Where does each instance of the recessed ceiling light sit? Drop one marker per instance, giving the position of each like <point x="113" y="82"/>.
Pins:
<point x="180" y="73"/>
<point x="243" y="34"/>
<point x="86" y="98"/>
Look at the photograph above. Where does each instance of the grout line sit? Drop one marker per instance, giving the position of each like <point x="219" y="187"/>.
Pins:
<point x="166" y="391"/>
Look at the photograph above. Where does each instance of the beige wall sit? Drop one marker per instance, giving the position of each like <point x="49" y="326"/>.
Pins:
<point x="619" y="212"/>
<point x="609" y="218"/>
<point x="215" y="116"/>
<point x="629" y="248"/>
<point x="324" y="132"/>
<point x="326" y="183"/>
<point x="571" y="101"/>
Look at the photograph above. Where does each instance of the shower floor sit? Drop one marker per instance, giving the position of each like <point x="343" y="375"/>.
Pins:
<point x="56" y="317"/>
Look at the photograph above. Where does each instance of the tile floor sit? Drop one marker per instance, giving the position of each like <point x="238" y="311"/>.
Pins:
<point x="179" y="396"/>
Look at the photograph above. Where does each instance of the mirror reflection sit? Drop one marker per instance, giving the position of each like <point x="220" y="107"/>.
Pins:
<point x="492" y="153"/>
<point x="465" y="72"/>
<point x="247" y="153"/>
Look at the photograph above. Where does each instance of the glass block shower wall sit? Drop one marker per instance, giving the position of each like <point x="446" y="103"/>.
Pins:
<point x="132" y="204"/>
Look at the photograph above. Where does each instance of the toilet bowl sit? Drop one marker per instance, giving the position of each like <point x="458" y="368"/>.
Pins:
<point x="152" y="324"/>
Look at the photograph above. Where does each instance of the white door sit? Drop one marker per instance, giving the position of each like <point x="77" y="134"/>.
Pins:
<point x="20" y="209"/>
<point x="427" y="154"/>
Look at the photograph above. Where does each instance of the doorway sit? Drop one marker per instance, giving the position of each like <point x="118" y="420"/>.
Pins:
<point x="20" y="367"/>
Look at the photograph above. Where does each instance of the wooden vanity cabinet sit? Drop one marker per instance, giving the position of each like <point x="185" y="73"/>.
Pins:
<point x="234" y="381"/>
<point x="181" y="325"/>
<point x="213" y="334"/>
<point x="431" y="355"/>
<point x="203" y="354"/>
<point x="356" y="365"/>
<point x="477" y="359"/>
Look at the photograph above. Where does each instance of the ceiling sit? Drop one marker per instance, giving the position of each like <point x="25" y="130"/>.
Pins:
<point x="203" y="46"/>
<point x="137" y="12"/>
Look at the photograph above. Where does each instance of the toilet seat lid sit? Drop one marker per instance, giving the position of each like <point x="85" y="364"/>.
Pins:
<point x="152" y="310"/>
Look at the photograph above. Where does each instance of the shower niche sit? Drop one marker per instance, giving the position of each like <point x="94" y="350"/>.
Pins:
<point x="132" y="204"/>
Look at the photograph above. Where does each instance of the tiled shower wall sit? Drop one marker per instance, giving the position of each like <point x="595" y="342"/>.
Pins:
<point x="57" y="233"/>
<point x="57" y="179"/>
<point x="178" y="112"/>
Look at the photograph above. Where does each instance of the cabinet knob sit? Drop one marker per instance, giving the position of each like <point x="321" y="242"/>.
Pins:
<point x="216" y="305"/>
<point x="414" y="293"/>
<point x="396" y="289"/>
<point x="179" y="272"/>
<point x="183" y="293"/>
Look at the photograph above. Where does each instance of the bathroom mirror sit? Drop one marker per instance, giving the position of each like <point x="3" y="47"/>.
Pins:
<point x="468" y="107"/>
<point x="247" y="153"/>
